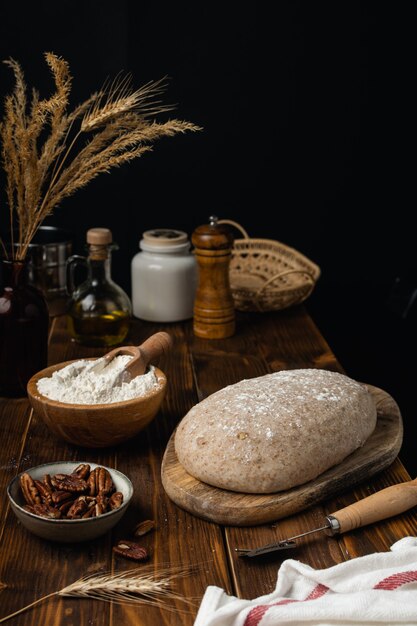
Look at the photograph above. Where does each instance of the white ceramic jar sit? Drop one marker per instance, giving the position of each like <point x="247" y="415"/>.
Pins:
<point x="164" y="277"/>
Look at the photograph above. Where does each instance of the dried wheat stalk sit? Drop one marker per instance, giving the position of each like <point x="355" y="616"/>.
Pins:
<point x="131" y="587"/>
<point x="43" y="153"/>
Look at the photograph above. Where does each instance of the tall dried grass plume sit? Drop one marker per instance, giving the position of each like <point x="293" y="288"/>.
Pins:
<point x="42" y="149"/>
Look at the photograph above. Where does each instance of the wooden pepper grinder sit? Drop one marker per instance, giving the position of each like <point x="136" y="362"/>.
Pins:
<point x="214" y="312"/>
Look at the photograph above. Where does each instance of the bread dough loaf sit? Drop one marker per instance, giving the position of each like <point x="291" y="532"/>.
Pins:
<point x="274" y="432"/>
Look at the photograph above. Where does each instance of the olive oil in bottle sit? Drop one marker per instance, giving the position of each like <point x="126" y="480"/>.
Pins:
<point x="99" y="310"/>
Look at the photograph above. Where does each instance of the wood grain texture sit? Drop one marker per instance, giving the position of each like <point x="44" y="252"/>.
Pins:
<point x="179" y="539"/>
<point x="384" y="504"/>
<point x="148" y="353"/>
<point x="168" y="544"/>
<point x="214" y="311"/>
<point x="286" y="340"/>
<point x="32" y="567"/>
<point x="14" y="420"/>
<point x="265" y="343"/>
<point x="380" y="535"/>
<point x="93" y="425"/>
<point x="237" y="509"/>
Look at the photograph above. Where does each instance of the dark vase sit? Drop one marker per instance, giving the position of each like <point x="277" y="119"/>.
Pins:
<point x="23" y="329"/>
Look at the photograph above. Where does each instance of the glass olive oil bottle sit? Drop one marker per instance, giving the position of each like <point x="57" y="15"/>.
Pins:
<point x="99" y="311"/>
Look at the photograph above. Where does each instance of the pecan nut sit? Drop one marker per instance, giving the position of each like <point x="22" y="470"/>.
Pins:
<point x="44" y="490"/>
<point x="44" y="510"/>
<point x="130" y="550"/>
<point x="116" y="500"/>
<point x="103" y="500"/>
<point x="29" y="490"/>
<point x="58" y="497"/>
<point x="81" y="494"/>
<point x="105" y="483"/>
<point x="78" y="508"/>
<point x="92" y="482"/>
<point x="65" y="506"/>
<point x="91" y="512"/>
<point x="144" y="527"/>
<point x="69" y="482"/>
<point x="47" y="481"/>
<point x="82" y="471"/>
<point x="99" y="509"/>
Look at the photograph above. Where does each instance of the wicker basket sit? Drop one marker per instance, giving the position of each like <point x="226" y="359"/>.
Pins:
<point x="267" y="275"/>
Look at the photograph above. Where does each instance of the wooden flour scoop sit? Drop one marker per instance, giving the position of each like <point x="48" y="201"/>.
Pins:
<point x="149" y="351"/>
<point x="381" y="505"/>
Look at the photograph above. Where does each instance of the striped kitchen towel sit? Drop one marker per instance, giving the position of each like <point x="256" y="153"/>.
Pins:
<point x="379" y="588"/>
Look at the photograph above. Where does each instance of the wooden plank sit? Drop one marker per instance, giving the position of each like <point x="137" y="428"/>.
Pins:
<point x="287" y="340"/>
<point x="63" y="348"/>
<point x="380" y="535"/>
<point x="298" y="343"/>
<point x="318" y="550"/>
<point x="179" y="539"/>
<point x="290" y="340"/>
<point x="14" y="419"/>
<point x="139" y="459"/>
<point x="265" y="343"/>
<point x="32" y="567"/>
<point x="255" y="577"/>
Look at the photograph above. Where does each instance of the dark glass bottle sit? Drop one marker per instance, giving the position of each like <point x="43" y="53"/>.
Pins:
<point x="99" y="311"/>
<point x="24" y="324"/>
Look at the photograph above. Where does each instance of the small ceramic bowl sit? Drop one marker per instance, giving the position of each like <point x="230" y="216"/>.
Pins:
<point x="66" y="529"/>
<point x="96" y="425"/>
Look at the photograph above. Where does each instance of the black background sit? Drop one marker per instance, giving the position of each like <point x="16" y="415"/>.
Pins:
<point x="306" y="109"/>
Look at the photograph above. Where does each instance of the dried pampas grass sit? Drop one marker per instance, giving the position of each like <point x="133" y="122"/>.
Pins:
<point x="131" y="587"/>
<point x="42" y="151"/>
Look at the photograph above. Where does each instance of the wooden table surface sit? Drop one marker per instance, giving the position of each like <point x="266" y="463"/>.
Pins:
<point x="31" y="567"/>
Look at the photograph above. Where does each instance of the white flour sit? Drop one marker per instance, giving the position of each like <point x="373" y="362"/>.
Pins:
<point x="78" y="384"/>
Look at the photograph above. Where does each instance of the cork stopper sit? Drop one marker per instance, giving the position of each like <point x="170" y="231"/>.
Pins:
<point x="98" y="240"/>
<point x="99" y="236"/>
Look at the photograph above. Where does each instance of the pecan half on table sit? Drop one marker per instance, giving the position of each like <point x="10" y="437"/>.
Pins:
<point x="144" y="527"/>
<point x="130" y="550"/>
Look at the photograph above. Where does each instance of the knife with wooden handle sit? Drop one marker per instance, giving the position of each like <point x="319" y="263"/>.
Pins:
<point x="381" y="505"/>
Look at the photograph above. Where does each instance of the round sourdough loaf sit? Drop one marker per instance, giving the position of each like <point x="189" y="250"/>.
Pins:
<point x="274" y="432"/>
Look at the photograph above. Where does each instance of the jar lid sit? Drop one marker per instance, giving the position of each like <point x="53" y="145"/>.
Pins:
<point x="164" y="241"/>
<point x="164" y="237"/>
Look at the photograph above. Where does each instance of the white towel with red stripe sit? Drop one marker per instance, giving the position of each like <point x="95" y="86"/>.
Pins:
<point x="379" y="588"/>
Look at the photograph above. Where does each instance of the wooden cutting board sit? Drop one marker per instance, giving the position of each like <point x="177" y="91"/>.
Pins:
<point x="239" y="509"/>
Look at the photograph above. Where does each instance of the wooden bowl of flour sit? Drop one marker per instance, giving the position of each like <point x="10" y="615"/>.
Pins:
<point x="96" y="425"/>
